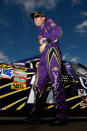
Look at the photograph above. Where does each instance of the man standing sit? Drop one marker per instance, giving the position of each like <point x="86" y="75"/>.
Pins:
<point x="50" y="64"/>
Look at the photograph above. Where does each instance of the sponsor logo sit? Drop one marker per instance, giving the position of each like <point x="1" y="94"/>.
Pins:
<point x="18" y="86"/>
<point x="6" y="73"/>
<point x="56" y="84"/>
<point x="53" y="24"/>
<point x="19" y="83"/>
<point x="83" y="104"/>
<point x="82" y="92"/>
<point x="19" y="80"/>
<point x="84" y="101"/>
<point x="55" y="78"/>
<point x="19" y="73"/>
<point x="55" y="69"/>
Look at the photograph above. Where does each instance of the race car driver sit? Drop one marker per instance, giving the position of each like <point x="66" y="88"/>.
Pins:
<point x="50" y="64"/>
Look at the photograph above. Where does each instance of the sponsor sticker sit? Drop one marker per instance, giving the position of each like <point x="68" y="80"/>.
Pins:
<point x="19" y="83"/>
<point x="55" y="68"/>
<point x="82" y="92"/>
<point x="53" y="24"/>
<point x="6" y="73"/>
<point x="19" y="73"/>
<point x="84" y="101"/>
<point x="21" y="80"/>
<point x="83" y="104"/>
<point x="18" y="86"/>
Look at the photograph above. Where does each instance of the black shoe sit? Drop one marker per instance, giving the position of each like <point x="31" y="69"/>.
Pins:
<point x="58" y="122"/>
<point x="33" y="119"/>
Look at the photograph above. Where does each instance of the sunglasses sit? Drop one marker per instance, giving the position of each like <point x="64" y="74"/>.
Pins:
<point x="37" y="16"/>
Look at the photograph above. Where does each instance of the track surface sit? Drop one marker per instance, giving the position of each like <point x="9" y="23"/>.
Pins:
<point x="21" y="125"/>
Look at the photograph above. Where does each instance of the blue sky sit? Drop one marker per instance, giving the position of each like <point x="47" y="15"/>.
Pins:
<point x="18" y="34"/>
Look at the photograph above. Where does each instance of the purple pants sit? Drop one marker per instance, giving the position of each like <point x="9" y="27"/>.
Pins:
<point x="50" y="68"/>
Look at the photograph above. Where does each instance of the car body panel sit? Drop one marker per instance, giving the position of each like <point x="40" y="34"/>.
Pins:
<point x="17" y="96"/>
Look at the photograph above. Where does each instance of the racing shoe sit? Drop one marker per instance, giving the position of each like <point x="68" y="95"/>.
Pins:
<point x="33" y="119"/>
<point x="58" y="122"/>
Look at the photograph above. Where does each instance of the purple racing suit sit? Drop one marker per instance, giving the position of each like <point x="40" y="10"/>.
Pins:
<point x="50" y="66"/>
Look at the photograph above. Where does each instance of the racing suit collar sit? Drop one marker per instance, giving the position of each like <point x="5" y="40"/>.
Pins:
<point x="41" y="26"/>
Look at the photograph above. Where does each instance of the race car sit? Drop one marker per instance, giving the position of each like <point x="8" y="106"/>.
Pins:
<point x="17" y="95"/>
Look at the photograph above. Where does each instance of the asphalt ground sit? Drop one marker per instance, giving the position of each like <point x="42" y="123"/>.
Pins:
<point x="21" y="125"/>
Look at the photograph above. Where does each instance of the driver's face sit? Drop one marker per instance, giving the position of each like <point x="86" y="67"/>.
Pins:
<point x="38" y="21"/>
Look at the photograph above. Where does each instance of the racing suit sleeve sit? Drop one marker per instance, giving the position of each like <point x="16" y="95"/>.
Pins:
<point x="55" y="31"/>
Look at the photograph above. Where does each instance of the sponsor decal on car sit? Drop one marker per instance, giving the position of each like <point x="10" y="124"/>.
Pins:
<point x="84" y="101"/>
<point x="6" y="73"/>
<point x="19" y="73"/>
<point x="21" y="80"/>
<point x="18" y="86"/>
<point x="82" y="92"/>
<point x="19" y="83"/>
